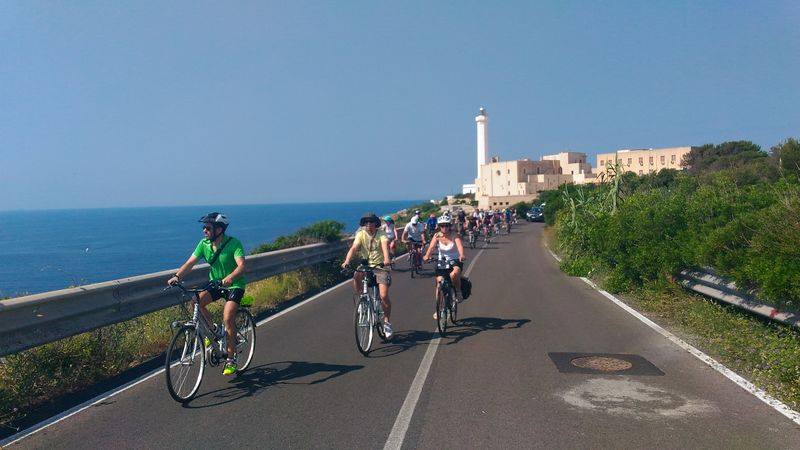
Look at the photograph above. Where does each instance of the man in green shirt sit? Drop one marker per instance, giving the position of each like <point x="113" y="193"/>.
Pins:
<point x="225" y="255"/>
<point x="372" y="244"/>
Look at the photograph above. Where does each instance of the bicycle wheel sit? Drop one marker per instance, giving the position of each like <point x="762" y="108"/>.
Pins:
<point x="441" y="311"/>
<point x="362" y="320"/>
<point x="453" y="308"/>
<point x="245" y="338"/>
<point x="185" y="364"/>
<point x="412" y="261"/>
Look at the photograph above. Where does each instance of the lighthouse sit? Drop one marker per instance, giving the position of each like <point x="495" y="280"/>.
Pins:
<point x="482" y="124"/>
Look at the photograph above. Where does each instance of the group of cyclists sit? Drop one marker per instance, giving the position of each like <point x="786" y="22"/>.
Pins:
<point x="374" y="242"/>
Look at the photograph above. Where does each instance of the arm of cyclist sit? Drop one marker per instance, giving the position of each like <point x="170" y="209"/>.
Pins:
<point x="404" y="237"/>
<point x="238" y="271"/>
<point x="460" y="247"/>
<point x="387" y="260"/>
<point x="427" y="256"/>
<point x="349" y="256"/>
<point x="185" y="268"/>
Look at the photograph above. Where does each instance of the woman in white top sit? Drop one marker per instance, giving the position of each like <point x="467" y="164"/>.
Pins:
<point x="391" y="234"/>
<point x="448" y="245"/>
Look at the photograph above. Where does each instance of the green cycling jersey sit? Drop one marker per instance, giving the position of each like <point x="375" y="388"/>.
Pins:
<point x="226" y="262"/>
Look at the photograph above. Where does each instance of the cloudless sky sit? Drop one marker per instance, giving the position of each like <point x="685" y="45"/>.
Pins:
<point x="176" y="103"/>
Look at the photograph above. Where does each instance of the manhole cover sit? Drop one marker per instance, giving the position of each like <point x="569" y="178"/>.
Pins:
<point x="601" y="363"/>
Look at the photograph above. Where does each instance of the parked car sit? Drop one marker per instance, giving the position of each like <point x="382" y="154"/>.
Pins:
<point x="535" y="215"/>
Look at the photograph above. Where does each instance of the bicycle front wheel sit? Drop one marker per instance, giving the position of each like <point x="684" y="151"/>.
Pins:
<point x="185" y="364"/>
<point x="245" y="339"/>
<point x="441" y="311"/>
<point x="362" y="320"/>
<point x="453" y="308"/>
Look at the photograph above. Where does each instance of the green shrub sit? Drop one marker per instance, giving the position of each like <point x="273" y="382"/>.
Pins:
<point x="323" y="231"/>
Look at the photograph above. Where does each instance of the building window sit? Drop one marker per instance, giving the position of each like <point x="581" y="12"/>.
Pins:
<point x="538" y="170"/>
<point x="663" y="158"/>
<point x="572" y="172"/>
<point x="560" y="170"/>
<point x="508" y="171"/>
<point x="498" y="172"/>
<point x="509" y="182"/>
<point x="640" y="172"/>
<point x="602" y="163"/>
<point x="641" y="162"/>
<point x="629" y="161"/>
<point x="672" y="159"/>
<point x="651" y="160"/>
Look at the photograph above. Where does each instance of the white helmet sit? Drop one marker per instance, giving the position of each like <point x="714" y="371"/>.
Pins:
<point x="414" y="220"/>
<point x="444" y="219"/>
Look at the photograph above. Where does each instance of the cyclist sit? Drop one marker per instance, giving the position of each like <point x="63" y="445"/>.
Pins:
<point x="430" y="225"/>
<point x="448" y="244"/>
<point x="462" y="221"/>
<point x="225" y="255"/>
<point x="372" y="244"/>
<point x="391" y="234"/>
<point x="414" y="234"/>
<point x="508" y="220"/>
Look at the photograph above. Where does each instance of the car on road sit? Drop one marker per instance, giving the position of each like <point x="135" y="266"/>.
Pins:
<point x="535" y="215"/>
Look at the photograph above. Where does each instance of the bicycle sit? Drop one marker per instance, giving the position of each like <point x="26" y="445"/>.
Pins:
<point x="445" y="304"/>
<point x="368" y="313"/>
<point x="187" y="349"/>
<point x="472" y="237"/>
<point x="415" y="257"/>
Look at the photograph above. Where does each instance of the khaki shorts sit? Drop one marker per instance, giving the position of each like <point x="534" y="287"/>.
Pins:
<point x="383" y="276"/>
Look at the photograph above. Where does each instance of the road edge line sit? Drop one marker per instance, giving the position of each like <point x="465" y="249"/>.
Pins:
<point x="398" y="433"/>
<point x="742" y="382"/>
<point x="108" y="394"/>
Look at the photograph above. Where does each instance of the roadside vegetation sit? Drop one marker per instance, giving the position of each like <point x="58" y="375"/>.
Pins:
<point x="736" y="209"/>
<point x="31" y="379"/>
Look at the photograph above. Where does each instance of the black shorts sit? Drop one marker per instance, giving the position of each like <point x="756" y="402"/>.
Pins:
<point x="231" y="295"/>
<point x="459" y="264"/>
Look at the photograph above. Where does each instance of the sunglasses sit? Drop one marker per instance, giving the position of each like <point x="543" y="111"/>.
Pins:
<point x="208" y="227"/>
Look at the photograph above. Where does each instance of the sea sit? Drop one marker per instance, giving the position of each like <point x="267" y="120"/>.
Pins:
<point x="47" y="250"/>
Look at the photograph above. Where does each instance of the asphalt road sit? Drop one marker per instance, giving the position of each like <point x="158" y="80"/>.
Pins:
<point x="494" y="382"/>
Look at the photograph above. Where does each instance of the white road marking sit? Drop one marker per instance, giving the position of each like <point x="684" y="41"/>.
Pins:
<point x="403" y="420"/>
<point x="776" y="404"/>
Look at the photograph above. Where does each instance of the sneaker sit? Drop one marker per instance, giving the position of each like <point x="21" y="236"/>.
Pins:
<point x="230" y="367"/>
<point x="387" y="330"/>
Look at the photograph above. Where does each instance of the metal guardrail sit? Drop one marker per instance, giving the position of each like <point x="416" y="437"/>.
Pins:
<point x="33" y="320"/>
<point x="711" y="284"/>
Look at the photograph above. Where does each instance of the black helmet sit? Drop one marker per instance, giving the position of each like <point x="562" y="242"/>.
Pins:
<point x="369" y="217"/>
<point x="216" y="219"/>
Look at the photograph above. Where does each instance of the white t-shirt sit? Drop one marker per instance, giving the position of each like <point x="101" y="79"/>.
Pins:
<point x="414" y="232"/>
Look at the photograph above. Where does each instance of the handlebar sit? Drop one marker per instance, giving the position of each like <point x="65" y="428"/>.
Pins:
<point x="213" y="284"/>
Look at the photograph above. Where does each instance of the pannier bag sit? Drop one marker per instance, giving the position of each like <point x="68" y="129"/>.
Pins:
<point x="466" y="287"/>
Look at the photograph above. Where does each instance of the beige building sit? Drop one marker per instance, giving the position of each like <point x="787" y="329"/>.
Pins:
<point x="643" y="161"/>
<point x="503" y="183"/>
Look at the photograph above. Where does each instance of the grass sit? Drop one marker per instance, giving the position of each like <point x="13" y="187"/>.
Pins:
<point x="30" y="379"/>
<point x="765" y="352"/>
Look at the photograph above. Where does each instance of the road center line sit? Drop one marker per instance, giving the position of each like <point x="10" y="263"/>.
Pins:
<point x="398" y="433"/>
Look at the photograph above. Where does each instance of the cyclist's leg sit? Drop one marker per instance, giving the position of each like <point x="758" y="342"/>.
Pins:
<point x="229" y="318"/>
<point x="455" y="277"/>
<point x="384" y="280"/>
<point x="206" y="297"/>
<point x="358" y="281"/>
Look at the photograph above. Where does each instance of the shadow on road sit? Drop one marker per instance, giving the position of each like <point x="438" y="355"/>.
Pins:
<point x="405" y="340"/>
<point x="402" y="341"/>
<point x="266" y="375"/>
<point x="471" y="326"/>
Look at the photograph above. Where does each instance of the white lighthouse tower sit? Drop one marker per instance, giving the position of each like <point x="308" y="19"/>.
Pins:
<point x="482" y="124"/>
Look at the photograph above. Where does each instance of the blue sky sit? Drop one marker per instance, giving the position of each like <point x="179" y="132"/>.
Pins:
<point x="177" y="103"/>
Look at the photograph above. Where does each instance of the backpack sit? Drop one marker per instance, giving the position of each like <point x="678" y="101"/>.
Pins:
<point x="466" y="287"/>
